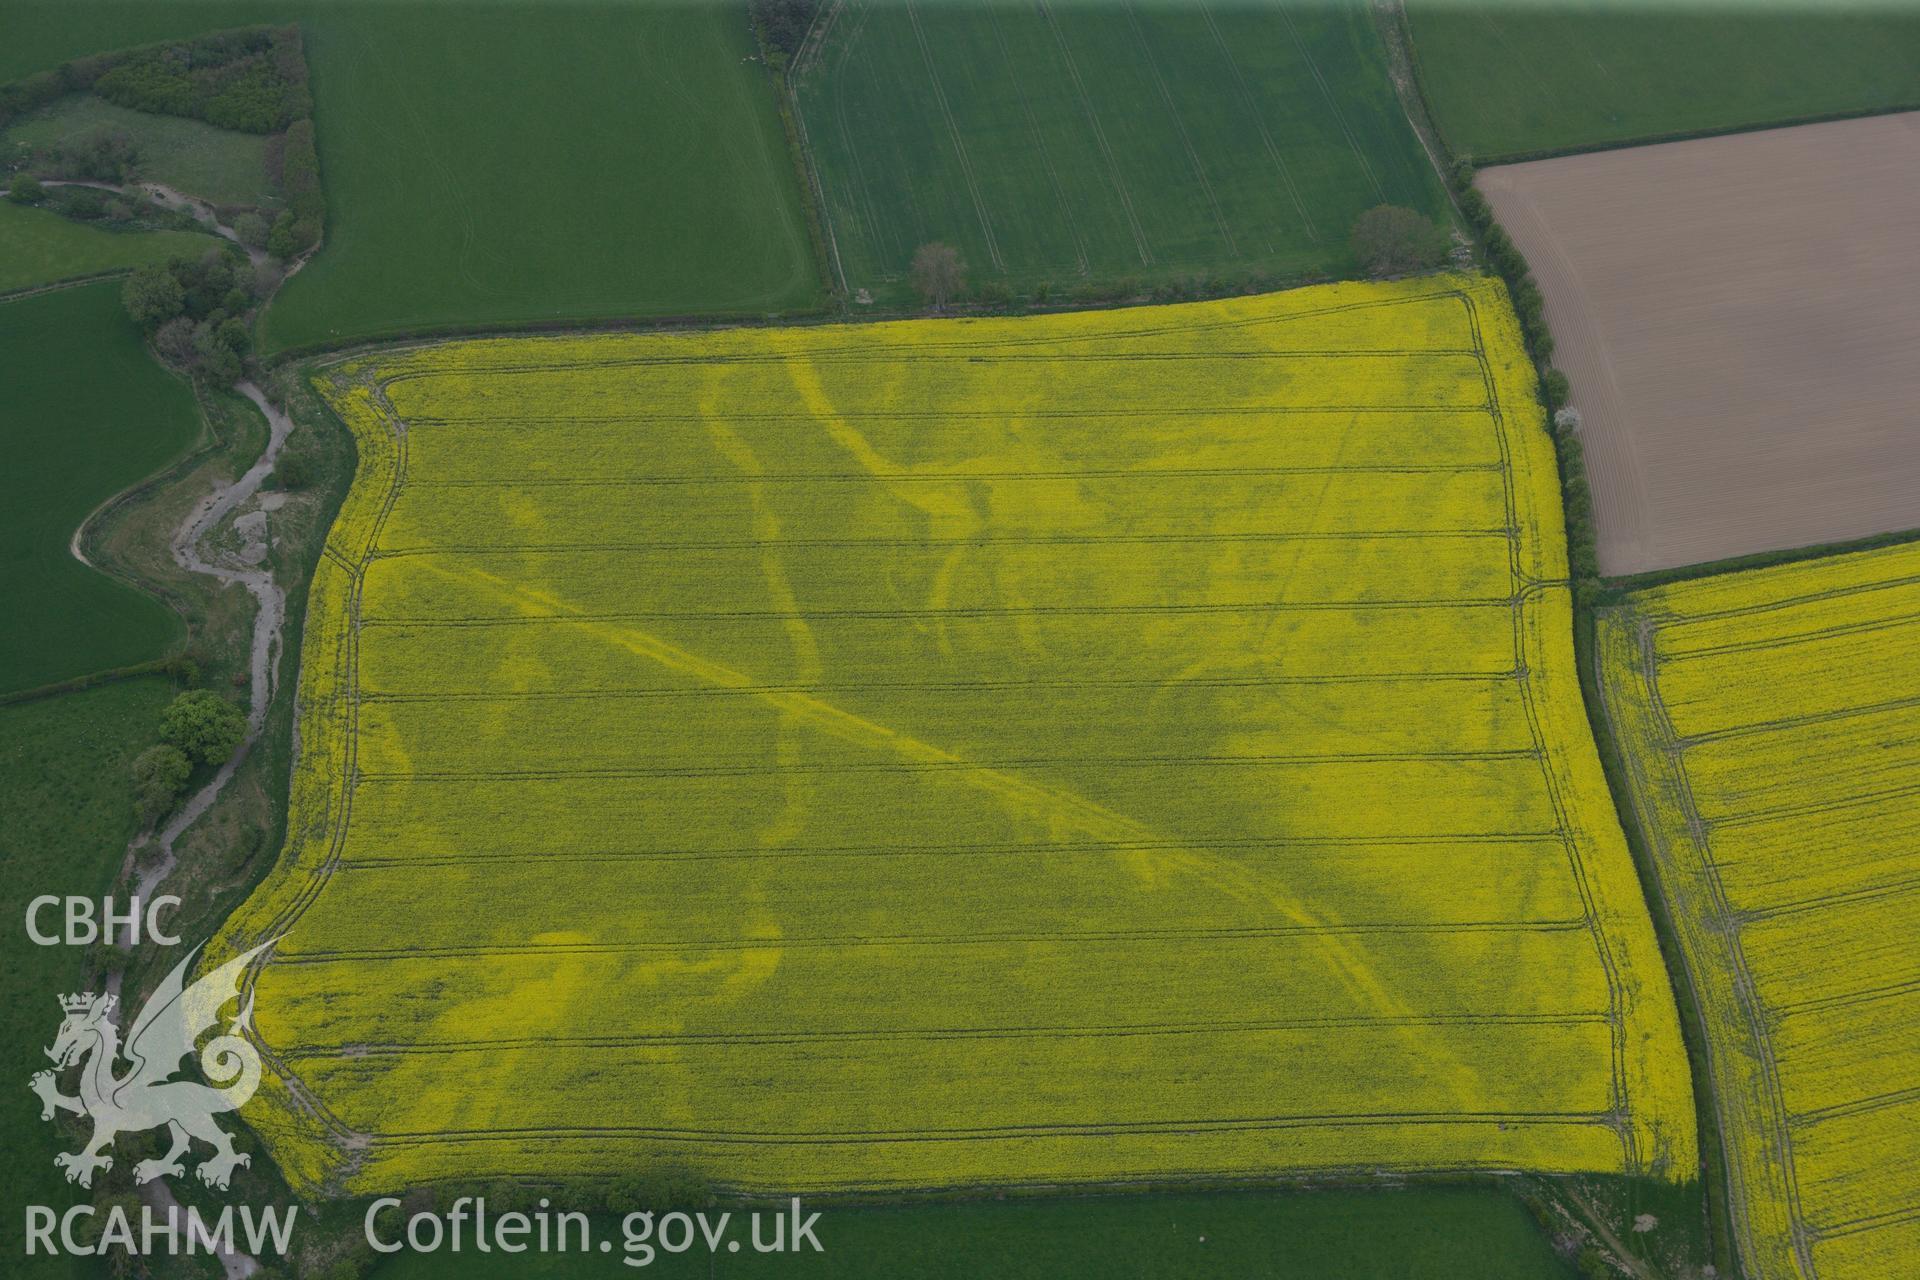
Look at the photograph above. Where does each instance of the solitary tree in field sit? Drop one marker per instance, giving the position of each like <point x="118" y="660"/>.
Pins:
<point x="1391" y="241"/>
<point x="938" y="273"/>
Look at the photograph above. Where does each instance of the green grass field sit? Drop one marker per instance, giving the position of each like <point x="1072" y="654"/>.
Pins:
<point x="67" y="796"/>
<point x="86" y="412"/>
<point x="38" y="247"/>
<point x="215" y="164"/>
<point x="1512" y="80"/>
<point x="1429" y="1233"/>
<point x="517" y="165"/>
<point x="1066" y="145"/>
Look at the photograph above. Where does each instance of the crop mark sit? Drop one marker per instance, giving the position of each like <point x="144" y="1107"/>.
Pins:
<point x="1143" y="937"/>
<point x="890" y="1034"/>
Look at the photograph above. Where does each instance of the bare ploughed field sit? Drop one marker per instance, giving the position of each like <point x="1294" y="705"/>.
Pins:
<point x="1740" y="319"/>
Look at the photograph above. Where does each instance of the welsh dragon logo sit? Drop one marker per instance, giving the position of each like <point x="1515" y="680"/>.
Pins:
<point x="145" y="1096"/>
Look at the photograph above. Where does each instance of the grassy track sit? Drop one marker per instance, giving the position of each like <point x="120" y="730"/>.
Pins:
<point x="1772" y="741"/>
<point x="66" y="792"/>
<point x="989" y="718"/>
<point x="86" y="412"/>
<point x="1073" y="145"/>
<point x="1450" y="1233"/>
<point x="38" y="247"/>
<point x="1513" y="80"/>
<point x="220" y="165"/>
<point x="523" y="164"/>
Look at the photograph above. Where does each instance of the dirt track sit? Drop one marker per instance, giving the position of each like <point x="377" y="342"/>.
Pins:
<point x="1740" y="319"/>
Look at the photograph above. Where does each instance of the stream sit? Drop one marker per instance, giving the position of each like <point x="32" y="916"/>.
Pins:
<point x="255" y="574"/>
<point x="269" y="619"/>
<point x="167" y="198"/>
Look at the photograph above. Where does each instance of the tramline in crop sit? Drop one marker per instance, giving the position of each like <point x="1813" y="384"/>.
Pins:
<point x="1770" y="730"/>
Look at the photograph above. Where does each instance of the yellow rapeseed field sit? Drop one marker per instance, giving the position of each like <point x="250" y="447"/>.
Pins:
<point x="1771" y="725"/>
<point x="1137" y="745"/>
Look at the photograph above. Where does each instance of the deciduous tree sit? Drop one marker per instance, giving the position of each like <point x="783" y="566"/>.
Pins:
<point x="160" y="774"/>
<point x="1389" y="241"/>
<point x="204" y="725"/>
<point x="939" y="273"/>
<point x="152" y="296"/>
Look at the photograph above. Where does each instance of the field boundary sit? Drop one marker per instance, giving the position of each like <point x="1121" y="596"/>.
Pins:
<point x="1761" y="560"/>
<point x="1690" y="135"/>
<point x="1591" y="593"/>
<point x="1677" y="135"/>
<point x="821" y="240"/>
<point x="65" y="282"/>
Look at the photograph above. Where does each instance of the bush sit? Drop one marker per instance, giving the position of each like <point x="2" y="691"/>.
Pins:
<point x="1553" y="386"/>
<point x="293" y="470"/>
<point x="1526" y="295"/>
<point x="234" y="336"/>
<point x="280" y="242"/>
<point x="23" y="95"/>
<point x="82" y="204"/>
<point x="782" y="24"/>
<point x="252" y="230"/>
<point x="152" y="297"/>
<point x="213" y="359"/>
<point x="160" y="775"/>
<point x="1510" y="262"/>
<point x="1539" y="340"/>
<point x="1475" y="207"/>
<point x="26" y="189"/>
<point x="105" y="155"/>
<point x="174" y="341"/>
<point x="300" y="175"/>
<point x="203" y="725"/>
<point x="659" y="1190"/>
<point x="1389" y="240"/>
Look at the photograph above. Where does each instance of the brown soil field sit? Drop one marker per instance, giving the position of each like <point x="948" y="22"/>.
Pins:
<point x="1740" y="320"/>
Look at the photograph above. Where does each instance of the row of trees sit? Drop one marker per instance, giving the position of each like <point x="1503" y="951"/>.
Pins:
<point x="1528" y="303"/>
<point x="293" y="167"/>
